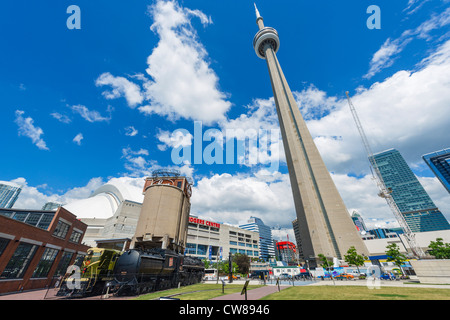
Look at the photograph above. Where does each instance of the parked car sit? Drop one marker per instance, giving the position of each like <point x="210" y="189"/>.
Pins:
<point x="343" y="276"/>
<point x="285" y="276"/>
<point x="303" y="276"/>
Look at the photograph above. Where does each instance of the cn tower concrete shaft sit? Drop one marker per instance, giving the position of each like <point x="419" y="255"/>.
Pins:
<point x="325" y="224"/>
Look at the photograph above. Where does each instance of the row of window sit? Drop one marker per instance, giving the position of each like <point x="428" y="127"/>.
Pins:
<point x="42" y="221"/>
<point x="241" y="244"/>
<point x="62" y="229"/>
<point x="36" y="219"/>
<point x="202" y="250"/>
<point x="22" y="257"/>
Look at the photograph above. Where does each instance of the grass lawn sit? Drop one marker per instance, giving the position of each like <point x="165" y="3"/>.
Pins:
<point x="358" y="293"/>
<point x="205" y="291"/>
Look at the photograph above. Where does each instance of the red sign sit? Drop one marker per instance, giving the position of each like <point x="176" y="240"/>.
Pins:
<point x="204" y="222"/>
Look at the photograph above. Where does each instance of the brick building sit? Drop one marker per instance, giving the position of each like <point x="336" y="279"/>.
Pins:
<point x="37" y="246"/>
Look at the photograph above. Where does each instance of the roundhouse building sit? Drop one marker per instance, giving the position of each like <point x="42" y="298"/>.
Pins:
<point x="37" y="246"/>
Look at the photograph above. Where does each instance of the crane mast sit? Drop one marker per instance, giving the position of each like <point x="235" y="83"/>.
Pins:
<point x="385" y="192"/>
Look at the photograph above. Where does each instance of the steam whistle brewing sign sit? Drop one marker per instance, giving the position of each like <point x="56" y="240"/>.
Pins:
<point x="204" y="222"/>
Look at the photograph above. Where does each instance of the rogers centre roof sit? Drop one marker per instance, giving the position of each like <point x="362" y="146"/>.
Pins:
<point x="104" y="201"/>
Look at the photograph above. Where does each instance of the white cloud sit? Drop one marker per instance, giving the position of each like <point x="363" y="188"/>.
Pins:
<point x="122" y="87"/>
<point x="182" y="83"/>
<point x="407" y="111"/>
<point x="78" y="138"/>
<point x="27" y="129"/>
<point x="90" y="115"/>
<point x="130" y="131"/>
<point x="31" y="198"/>
<point x="61" y="117"/>
<point x="234" y="198"/>
<point x="174" y="139"/>
<point x="385" y="56"/>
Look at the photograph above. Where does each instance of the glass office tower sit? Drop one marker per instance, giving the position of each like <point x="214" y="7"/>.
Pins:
<point x="420" y="212"/>
<point x="266" y="247"/>
<point x="439" y="163"/>
<point x="9" y="192"/>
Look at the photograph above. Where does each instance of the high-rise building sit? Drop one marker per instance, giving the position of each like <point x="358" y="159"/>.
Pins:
<point x="324" y="223"/>
<point x="420" y="212"/>
<point x="439" y="163"/>
<point x="266" y="247"/>
<point x="51" y="206"/>
<point x="9" y="192"/>
<point x="358" y="221"/>
<point x="286" y="251"/>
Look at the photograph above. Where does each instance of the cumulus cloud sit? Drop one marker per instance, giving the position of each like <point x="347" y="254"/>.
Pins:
<point x="234" y="198"/>
<point x="121" y="87"/>
<point x="182" y="84"/>
<point x="33" y="198"/>
<point x="90" y="115"/>
<point x="131" y="131"/>
<point x="395" y="113"/>
<point x="78" y="139"/>
<point x="174" y="139"/>
<point x="27" y="129"/>
<point x="61" y="117"/>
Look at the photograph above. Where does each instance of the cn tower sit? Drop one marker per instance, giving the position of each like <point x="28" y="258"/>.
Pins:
<point x="324" y="222"/>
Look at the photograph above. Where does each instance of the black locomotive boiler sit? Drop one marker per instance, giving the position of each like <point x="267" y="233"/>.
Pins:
<point x="139" y="271"/>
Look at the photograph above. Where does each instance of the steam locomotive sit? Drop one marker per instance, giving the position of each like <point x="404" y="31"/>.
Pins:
<point x="139" y="271"/>
<point x="133" y="272"/>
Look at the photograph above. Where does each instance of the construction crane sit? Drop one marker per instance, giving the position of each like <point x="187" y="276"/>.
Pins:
<point x="385" y="192"/>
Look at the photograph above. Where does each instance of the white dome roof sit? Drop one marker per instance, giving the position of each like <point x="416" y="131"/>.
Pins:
<point x="103" y="202"/>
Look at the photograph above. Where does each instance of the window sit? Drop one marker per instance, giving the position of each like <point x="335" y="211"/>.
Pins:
<point x="63" y="264"/>
<point x="76" y="236"/>
<point x="61" y="230"/>
<point x="44" y="223"/>
<point x="3" y="244"/>
<point x="19" y="262"/>
<point x="79" y="260"/>
<point x="33" y="219"/>
<point x="20" y="216"/>
<point x="191" y="248"/>
<point x="47" y="259"/>
<point x="201" y="249"/>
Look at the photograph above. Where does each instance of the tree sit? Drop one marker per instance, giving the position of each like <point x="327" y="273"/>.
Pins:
<point x="325" y="262"/>
<point x="207" y="263"/>
<point x="353" y="258"/>
<point x="439" y="249"/>
<point x="242" y="261"/>
<point x="394" y="255"/>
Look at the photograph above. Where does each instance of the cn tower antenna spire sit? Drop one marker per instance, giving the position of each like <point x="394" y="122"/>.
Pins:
<point x="257" y="12"/>
<point x="259" y="19"/>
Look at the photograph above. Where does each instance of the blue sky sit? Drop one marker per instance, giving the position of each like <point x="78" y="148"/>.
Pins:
<point x="81" y="107"/>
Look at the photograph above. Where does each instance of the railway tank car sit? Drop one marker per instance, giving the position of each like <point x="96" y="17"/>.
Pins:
<point x="139" y="271"/>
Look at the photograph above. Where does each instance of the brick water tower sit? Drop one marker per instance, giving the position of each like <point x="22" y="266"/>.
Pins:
<point x="165" y="212"/>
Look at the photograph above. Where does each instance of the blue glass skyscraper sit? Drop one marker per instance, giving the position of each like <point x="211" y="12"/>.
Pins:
<point x="266" y="247"/>
<point x="9" y="192"/>
<point x="439" y="163"/>
<point x="420" y="212"/>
